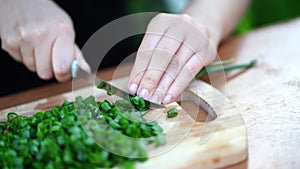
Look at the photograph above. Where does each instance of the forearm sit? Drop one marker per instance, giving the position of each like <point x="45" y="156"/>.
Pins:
<point x="219" y="16"/>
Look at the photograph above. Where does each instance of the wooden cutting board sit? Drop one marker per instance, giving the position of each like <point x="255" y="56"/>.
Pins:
<point x="209" y="131"/>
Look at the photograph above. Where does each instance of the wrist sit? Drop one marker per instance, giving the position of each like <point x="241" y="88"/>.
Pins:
<point x="213" y="29"/>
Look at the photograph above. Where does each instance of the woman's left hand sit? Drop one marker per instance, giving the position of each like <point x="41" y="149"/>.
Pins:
<point x="173" y="50"/>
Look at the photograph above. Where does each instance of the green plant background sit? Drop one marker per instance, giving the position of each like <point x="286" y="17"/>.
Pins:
<point x="266" y="12"/>
<point x="260" y="12"/>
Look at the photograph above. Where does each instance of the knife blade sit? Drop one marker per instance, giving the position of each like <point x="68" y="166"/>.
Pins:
<point x="77" y="71"/>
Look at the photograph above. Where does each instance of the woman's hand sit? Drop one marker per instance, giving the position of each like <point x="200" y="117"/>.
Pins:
<point x="41" y="36"/>
<point x="174" y="49"/>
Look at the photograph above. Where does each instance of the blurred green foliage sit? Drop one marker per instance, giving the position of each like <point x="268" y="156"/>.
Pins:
<point x="135" y="6"/>
<point x="266" y="12"/>
<point x="260" y="12"/>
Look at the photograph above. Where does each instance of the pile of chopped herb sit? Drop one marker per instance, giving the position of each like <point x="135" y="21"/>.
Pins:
<point x="79" y="134"/>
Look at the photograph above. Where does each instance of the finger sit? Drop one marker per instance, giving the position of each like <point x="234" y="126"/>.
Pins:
<point x="62" y="57"/>
<point x="43" y="60"/>
<point x="185" y="76"/>
<point x="181" y="57"/>
<point x="82" y="62"/>
<point x="161" y="57"/>
<point x="15" y="54"/>
<point x="28" y="56"/>
<point x="142" y="60"/>
<point x="12" y="47"/>
<point x="155" y="30"/>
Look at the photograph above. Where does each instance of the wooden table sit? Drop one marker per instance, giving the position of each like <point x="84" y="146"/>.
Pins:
<point x="267" y="95"/>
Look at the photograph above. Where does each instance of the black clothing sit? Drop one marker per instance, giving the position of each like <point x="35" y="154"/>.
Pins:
<point x="87" y="16"/>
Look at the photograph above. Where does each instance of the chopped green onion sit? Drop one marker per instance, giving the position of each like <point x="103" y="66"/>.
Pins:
<point x="212" y="68"/>
<point x="105" y="106"/>
<point x="101" y="85"/>
<point x="55" y="138"/>
<point x="139" y="103"/>
<point x="172" y="113"/>
<point x="111" y="91"/>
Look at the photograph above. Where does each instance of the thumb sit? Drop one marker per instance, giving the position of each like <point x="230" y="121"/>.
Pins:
<point x="82" y="62"/>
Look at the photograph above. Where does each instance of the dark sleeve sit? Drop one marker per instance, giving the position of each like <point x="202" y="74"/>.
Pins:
<point x="88" y="16"/>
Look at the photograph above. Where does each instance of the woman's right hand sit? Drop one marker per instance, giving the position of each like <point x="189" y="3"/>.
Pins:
<point x="40" y="35"/>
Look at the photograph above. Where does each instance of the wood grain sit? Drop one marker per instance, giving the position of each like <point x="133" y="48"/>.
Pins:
<point x="218" y="142"/>
<point x="268" y="95"/>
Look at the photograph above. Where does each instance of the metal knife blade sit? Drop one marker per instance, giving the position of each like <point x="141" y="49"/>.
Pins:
<point x="77" y="71"/>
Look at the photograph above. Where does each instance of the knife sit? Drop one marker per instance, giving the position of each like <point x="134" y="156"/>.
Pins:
<point x="77" y="71"/>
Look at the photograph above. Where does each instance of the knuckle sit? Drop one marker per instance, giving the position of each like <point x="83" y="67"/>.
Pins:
<point x="194" y="26"/>
<point x="26" y="34"/>
<point x="193" y="69"/>
<point x="150" y="79"/>
<point x="185" y="17"/>
<point x="65" y="27"/>
<point x="159" y="18"/>
<point x="144" y="54"/>
<point x="162" y="51"/>
<point x="174" y="66"/>
<point x="32" y="33"/>
<point x="136" y="77"/>
<point x="40" y="34"/>
<point x="9" y="43"/>
<point x="164" y="16"/>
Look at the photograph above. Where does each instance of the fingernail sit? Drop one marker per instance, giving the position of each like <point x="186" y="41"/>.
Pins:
<point x="154" y="98"/>
<point x="133" y="88"/>
<point x="168" y="98"/>
<point x="144" y="93"/>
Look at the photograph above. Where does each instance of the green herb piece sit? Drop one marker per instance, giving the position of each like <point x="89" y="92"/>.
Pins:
<point x="11" y="115"/>
<point x="101" y="85"/>
<point x="111" y="91"/>
<point x="172" y="113"/>
<point x="114" y="124"/>
<point x="139" y="103"/>
<point x="105" y="106"/>
<point x="213" y="67"/>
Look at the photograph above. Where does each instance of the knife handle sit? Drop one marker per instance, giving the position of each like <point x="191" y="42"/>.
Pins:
<point x="74" y="68"/>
